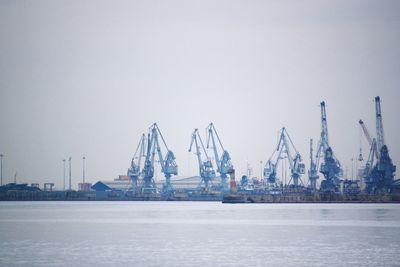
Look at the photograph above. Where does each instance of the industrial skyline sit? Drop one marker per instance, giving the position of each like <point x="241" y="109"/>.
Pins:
<point x="76" y="83"/>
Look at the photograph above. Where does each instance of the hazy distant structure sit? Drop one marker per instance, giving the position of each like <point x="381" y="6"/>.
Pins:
<point x="1" y="169"/>
<point x="379" y="177"/>
<point x="312" y="171"/>
<point x="223" y="162"/>
<point x="287" y="148"/>
<point x="206" y="169"/>
<point x="70" y="180"/>
<point x="83" y="169"/>
<point x="63" y="174"/>
<point x="330" y="166"/>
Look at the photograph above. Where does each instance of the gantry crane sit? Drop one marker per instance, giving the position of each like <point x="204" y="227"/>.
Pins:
<point x="330" y="167"/>
<point x="297" y="168"/>
<point x="134" y="170"/>
<point x="378" y="178"/>
<point x="224" y="165"/>
<point x="206" y="169"/>
<point x="168" y="164"/>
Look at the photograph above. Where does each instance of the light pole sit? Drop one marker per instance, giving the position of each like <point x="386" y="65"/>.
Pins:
<point x="83" y="169"/>
<point x="352" y="169"/>
<point x="64" y="175"/>
<point x="69" y="160"/>
<point x="1" y="168"/>
<point x="261" y="170"/>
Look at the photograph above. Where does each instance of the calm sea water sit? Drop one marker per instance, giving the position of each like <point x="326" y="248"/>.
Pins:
<point x="198" y="234"/>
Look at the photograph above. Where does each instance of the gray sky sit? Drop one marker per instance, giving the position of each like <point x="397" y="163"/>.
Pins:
<point x="88" y="77"/>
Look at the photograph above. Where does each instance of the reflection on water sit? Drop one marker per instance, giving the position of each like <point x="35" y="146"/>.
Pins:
<point x="198" y="234"/>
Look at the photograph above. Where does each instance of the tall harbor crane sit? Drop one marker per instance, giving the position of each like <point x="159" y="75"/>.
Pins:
<point x="168" y="164"/>
<point x="223" y="163"/>
<point x="297" y="168"/>
<point x="134" y="170"/>
<point x="206" y="169"/>
<point x="379" y="177"/>
<point x="330" y="167"/>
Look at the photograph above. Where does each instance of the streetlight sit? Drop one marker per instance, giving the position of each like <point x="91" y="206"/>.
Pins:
<point x="261" y="170"/>
<point x="83" y="169"/>
<point x="1" y="168"/>
<point x="69" y="161"/>
<point x="352" y="169"/>
<point x="64" y="175"/>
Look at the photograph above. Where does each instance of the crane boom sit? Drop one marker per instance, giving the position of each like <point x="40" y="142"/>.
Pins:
<point x="366" y="132"/>
<point x="194" y="140"/>
<point x="371" y="141"/>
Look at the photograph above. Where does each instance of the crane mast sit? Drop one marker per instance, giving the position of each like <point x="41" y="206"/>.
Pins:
<point x="206" y="169"/>
<point x="224" y="164"/>
<point x="366" y="132"/>
<point x="323" y="143"/>
<point x="379" y="125"/>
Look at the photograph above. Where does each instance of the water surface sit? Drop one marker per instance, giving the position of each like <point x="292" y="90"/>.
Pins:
<point x="198" y="234"/>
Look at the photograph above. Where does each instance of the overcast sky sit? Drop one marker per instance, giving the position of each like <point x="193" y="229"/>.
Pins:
<point x="89" y="77"/>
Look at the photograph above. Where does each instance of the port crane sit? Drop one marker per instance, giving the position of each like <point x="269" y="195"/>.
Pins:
<point x="168" y="164"/>
<point x="207" y="172"/>
<point x="223" y="163"/>
<point x="285" y="147"/>
<point x="134" y="170"/>
<point x="330" y="167"/>
<point x="378" y="178"/>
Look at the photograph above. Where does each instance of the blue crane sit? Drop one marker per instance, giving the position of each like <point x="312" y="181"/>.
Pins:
<point x="134" y="170"/>
<point x="285" y="147"/>
<point x="223" y="163"/>
<point x="206" y="169"/>
<point x="168" y="164"/>
<point x="379" y="177"/>
<point x="330" y="167"/>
